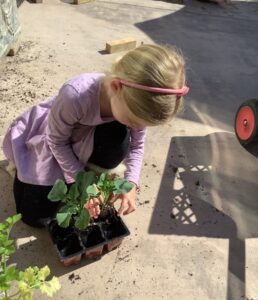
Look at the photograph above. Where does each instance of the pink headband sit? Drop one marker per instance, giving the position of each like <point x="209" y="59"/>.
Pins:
<point x="180" y="92"/>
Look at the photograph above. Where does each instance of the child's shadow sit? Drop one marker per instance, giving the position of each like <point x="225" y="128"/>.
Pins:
<point x="34" y="245"/>
<point x="209" y="188"/>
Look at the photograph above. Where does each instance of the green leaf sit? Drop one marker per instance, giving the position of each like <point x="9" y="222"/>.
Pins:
<point x="122" y="186"/>
<point x="2" y="250"/>
<point x="3" y="239"/>
<point x="2" y="226"/>
<point x="73" y="192"/>
<point x="84" y="197"/>
<point x="92" y="191"/>
<point x="64" y="209"/>
<point x="4" y="285"/>
<point x="7" y="250"/>
<point x="82" y="221"/>
<point x="71" y="209"/>
<point x="43" y="273"/>
<point x="16" y="218"/>
<point x="63" y="219"/>
<point x="7" y="243"/>
<point x="3" y="236"/>
<point x="103" y="178"/>
<point x="29" y="276"/>
<point x="58" y="191"/>
<point x="11" y="273"/>
<point x="84" y="179"/>
<point x="2" y="278"/>
<point x="50" y="287"/>
<point x="25" y="290"/>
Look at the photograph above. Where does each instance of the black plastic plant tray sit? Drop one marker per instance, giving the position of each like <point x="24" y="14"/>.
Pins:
<point x="120" y="234"/>
<point x="115" y="230"/>
<point x="114" y="233"/>
<point x="60" y="236"/>
<point x="101" y="234"/>
<point x="94" y="236"/>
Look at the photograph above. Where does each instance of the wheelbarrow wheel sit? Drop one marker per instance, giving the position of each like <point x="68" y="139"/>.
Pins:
<point x="246" y="123"/>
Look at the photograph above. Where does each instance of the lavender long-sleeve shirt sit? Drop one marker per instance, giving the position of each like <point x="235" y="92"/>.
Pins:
<point x="54" y="139"/>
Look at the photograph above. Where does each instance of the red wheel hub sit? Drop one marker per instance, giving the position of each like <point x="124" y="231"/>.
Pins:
<point x="245" y="122"/>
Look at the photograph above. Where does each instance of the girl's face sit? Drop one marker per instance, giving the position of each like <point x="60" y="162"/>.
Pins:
<point x="123" y="115"/>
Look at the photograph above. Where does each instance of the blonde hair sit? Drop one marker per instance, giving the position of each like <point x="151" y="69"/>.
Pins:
<point x="155" y="66"/>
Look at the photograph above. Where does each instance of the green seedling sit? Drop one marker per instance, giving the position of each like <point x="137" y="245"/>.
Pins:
<point x="22" y="282"/>
<point x="107" y="186"/>
<point x="87" y="185"/>
<point x="74" y="200"/>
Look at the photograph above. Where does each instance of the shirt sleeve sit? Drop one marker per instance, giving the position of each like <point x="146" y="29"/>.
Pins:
<point x="135" y="155"/>
<point x="64" y="114"/>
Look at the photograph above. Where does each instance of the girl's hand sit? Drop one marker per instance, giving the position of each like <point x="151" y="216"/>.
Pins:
<point x="93" y="206"/>
<point x="127" y="202"/>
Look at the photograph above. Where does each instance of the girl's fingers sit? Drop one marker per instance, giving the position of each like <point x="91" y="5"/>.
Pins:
<point x="90" y="212"/>
<point x="88" y="204"/>
<point x="122" y="208"/>
<point x="97" y="210"/>
<point x="113" y="198"/>
<point x="96" y="207"/>
<point x="94" y="213"/>
<point x="95" y="201"/>
<point x="93" y="207"/>
<point x="130" y="209"/>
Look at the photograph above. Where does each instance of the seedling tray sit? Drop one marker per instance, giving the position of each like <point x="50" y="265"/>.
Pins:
<point x="72" y="244"/>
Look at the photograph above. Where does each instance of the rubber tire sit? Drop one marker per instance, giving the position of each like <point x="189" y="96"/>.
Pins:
<point x="253" y="139"/>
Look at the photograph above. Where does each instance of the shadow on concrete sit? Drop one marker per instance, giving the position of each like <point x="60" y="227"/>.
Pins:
<point x="217" y="197"/>
<point x="103" y="52"/>
<point x="209" y="188"/>
<point x="220" y="47"/>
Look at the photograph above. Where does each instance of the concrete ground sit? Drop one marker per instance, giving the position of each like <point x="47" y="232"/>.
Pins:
<point x="194" y="233"/>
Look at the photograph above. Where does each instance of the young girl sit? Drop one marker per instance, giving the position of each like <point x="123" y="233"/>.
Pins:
<point x="95" y="118"/>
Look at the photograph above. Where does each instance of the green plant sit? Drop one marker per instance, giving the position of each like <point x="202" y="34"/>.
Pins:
<point x="27" y="280"/>
<point x="87" y="185"/>
<point x="107" y="186"/>
<point x="74" y="200"/>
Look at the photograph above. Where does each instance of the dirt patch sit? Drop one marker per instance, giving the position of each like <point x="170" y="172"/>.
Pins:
<point x="23" y="83"/>
<point x="73" y="277"/>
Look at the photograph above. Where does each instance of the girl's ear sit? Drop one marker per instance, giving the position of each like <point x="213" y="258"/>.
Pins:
<point x="115" y="85"/>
